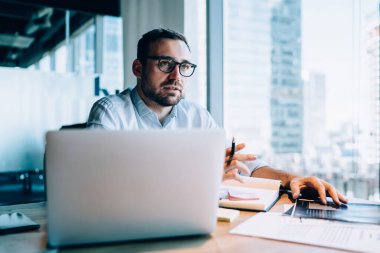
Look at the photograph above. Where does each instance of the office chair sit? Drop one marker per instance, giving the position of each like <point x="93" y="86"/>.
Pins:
<point x="74" y="126"/>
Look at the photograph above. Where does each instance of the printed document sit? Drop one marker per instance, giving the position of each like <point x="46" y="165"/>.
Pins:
<point x="325" y="233"/>
<point x="352" y="212"/>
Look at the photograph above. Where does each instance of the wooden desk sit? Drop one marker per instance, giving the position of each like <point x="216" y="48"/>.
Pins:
<point x="219" y="241"/>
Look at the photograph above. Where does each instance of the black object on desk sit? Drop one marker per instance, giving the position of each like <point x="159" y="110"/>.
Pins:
<point x="350" y="212"/>
<point x="16" y="222"/>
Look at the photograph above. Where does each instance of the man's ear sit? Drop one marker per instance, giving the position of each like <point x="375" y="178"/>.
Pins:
<point x="137" y="68"/>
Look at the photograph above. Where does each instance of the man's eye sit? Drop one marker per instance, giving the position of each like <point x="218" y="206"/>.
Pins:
<point x="164" y="63"/>
<point x="185" y="66"/>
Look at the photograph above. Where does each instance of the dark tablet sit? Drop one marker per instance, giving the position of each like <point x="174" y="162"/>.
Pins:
<point x="16" y="222"/>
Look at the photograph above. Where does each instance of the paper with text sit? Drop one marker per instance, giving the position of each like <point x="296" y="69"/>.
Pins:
<point x="332" y="234"/>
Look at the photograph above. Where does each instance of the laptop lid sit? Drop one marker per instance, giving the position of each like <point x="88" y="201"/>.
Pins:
<point x="105" y="186"/>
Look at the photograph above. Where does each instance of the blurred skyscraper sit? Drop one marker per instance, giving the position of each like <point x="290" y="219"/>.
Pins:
<point x="314" y="110"/>
<point x="372" y="46"/>
<point x="286" y="83"/>
<point x="263" y="86"/>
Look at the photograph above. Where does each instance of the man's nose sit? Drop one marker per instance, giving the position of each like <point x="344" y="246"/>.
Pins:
<point x="175" y="73"/>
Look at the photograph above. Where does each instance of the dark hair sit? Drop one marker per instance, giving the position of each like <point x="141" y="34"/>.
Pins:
<point x="143" y="46"/>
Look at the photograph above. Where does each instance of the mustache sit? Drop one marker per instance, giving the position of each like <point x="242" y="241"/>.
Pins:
<point x="172" y="82"/>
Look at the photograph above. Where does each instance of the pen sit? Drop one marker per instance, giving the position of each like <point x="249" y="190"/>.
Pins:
<point x="232" y="152"/>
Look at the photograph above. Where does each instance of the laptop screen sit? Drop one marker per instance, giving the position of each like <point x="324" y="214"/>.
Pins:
<point x="132" y="184"/>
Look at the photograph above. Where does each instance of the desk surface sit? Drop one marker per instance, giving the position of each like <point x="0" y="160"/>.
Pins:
<point x="219" y="241"/>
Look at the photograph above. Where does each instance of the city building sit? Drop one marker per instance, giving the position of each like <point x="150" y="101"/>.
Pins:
<point x="286" y="93"/>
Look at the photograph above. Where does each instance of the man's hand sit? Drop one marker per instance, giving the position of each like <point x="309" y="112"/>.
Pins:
<point x="297" y="184"/>
<point x="231" y="171"/>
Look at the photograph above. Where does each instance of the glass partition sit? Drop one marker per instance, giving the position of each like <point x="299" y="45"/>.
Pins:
<point x="33" y="103"/>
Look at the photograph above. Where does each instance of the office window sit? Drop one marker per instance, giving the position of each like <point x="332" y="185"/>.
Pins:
<point x="81" y="57"/>
<point x="61" y="59"/>
<point x="45" y="63"/>
<point x="113" y="67"/>
<point x="195" y="31"/>
<point x="84" y="50"/>
<point x="301" y="87"/>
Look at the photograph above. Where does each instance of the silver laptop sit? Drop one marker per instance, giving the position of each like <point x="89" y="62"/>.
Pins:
<point x="106" y="186"/>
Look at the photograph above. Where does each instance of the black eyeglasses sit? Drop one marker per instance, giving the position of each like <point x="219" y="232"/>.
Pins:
<point x="167" y="65"/>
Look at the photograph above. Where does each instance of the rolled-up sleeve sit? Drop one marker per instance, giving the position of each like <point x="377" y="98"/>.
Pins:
<point x="254" y="165"/>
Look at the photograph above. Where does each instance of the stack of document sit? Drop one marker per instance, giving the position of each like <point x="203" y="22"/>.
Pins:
<point x="327" y="233"/>
<point x="254" y="194"/>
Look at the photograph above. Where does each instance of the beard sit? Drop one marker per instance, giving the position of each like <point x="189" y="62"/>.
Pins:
<point x="167" y="93"/>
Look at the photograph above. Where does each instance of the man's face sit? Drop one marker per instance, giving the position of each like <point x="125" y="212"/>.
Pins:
<point x="165" y="89"/>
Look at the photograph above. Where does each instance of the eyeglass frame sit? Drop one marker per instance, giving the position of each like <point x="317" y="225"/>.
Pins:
<point x="159" y="58"/>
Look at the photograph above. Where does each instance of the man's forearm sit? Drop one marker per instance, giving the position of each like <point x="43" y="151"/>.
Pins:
<point x="268" y="172"/>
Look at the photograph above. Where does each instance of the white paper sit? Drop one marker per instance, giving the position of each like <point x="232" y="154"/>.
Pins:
<point x="340" y="235"/>
<point x="254" y="182"/>
<point x="287" y="207"/>
<point x="228" y="215"/>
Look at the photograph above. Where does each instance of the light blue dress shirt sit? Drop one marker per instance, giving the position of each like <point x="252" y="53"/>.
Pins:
<point x="127" y="111"/>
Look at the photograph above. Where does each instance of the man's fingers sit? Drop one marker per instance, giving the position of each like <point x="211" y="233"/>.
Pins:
<point x="244" y="157"/>
<point x="332" y="193"/>
<point x="235" y="164"/>
<point x="341" y="198"/>
<point x="241" y="157"/>
<point x="322" y="194"/>
<point x="336" y="196"/>
<point x="297" y="184"/>
<point x="230" y="172"/>
<point x="238" y="147"/>
<point x="295" y="188"/>
<point x="317" y="184"/>
<point x="233" y="174"/>
<point x="239" y="178"/>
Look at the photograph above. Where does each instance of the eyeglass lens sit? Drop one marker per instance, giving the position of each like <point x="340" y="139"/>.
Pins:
<point x="185" y="68"/>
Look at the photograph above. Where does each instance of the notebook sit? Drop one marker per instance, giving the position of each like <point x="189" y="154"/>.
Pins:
<point x="254" y="194"/>
<point x="107" y="186"/>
